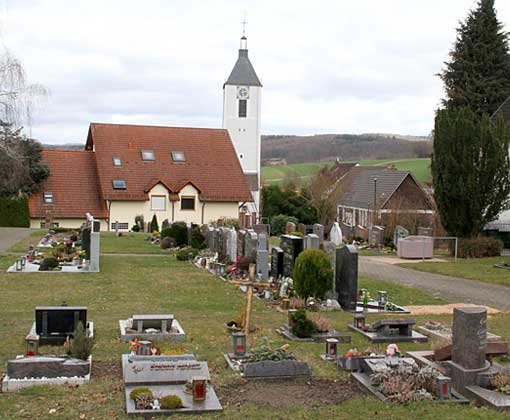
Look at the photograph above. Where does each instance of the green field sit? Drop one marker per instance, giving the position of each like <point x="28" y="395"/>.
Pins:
<point x="303" y="171"/>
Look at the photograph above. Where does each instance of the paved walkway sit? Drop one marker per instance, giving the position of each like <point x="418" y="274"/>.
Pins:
<point x="9" y="236"/>
<point x="452" y="289"/>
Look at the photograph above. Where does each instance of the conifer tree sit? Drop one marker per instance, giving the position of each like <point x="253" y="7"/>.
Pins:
<point x="478" y="73"/>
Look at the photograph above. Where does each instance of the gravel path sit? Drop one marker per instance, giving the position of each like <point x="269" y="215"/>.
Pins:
<point x="9" y="236"/>
<point x="452" y="289"/>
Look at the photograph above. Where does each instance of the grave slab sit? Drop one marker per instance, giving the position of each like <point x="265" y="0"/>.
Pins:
<point x="286" y="332"/>
<point x="176" y="332"/>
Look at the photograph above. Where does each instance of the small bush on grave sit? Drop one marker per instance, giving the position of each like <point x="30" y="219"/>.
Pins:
<point x="138" y="391"/>
<point x="82" y="344"/>
<point x="312" y="273"/>
<point x="178" y="231"/>
<point x="197" y="239"/>
<point x="48" y="264"/>
<point x="501" y="383"/>
<point x="279" y="222"/>
<point x="167" y="242"/>
<point x="170" y="402"/>
<point x="302" y="327"/>
<point x="182" y="255"/>
<point x="165" y="225"/>
<point x="135" y="228"/>
<point x="479" y="247"/>
<point x="154" y="224"/>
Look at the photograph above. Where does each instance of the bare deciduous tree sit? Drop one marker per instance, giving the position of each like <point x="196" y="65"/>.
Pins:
<point x="325" y="193"/>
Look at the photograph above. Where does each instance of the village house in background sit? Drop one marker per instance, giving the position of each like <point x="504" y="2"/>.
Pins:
<point x="195" y="175"/>
<point x="381" y="196"/>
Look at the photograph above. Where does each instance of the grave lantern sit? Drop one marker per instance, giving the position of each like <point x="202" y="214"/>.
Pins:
<point x="18" y="264"/>
<point x="290" y="319"/>
<point x="199" y="388"/>
<point x="443" y="390"/>
<point x="31" y="344"/>
<point x="239" y="343"/>
<point x="359" y="321"/>
<point x="382" y="297"/>
<point x="144" y="349"/>
<point x="23" y="262"/>
<point x="267" y="294"/>
<point x="331" y="348"/>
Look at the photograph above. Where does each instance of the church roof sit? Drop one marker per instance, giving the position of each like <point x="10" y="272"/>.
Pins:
<point x="243" y="72"/>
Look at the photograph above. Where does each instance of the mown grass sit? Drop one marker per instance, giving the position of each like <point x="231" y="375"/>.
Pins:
<point x="303" y="171"/>
<point x="202" y="303"/>
<point x="481" y="269"/>
<point x="128" y="243"/>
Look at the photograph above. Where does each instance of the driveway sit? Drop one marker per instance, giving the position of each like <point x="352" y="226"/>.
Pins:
<point x="9" y="236"/>
<point x="452" y="289"/>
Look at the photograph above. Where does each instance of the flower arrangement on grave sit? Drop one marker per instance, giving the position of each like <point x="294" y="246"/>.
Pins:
<point x="134" y="345"/>
<point x="266" y="351"/>
<point x="143" y="398"/>
<point x="365" y="297"/>
<point x="392" y="350"/>
<point x="501" y="383"/>
<point x="237" y="324"/>
<point x="168" y="348"/>
<point x="406" y="383"/>
<point x="49" y="264"/>
<point x="170" y="402"/>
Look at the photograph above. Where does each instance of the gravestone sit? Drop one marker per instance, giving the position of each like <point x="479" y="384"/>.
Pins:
<point x="54" y="324"/>
<point x="346" y="277"/>
<point x="330" y="248"/>
<point x="162" y="323"/>
<point x="85" y="241"/>
<point x="301" y="227"/>
<point x="240" y="242"/>
<point x="292" y="246"/>
<point x="263" y="242"/>
<point x="47" y="367"/>
<point x="209" y="234"/>
<point x="469" y="341"/>
<point x="262" y="228"/>
<point x="263" y="263"/>
<point x="394" y="327"/>
<point x="424" y="231"/>
<point x="223" y="244"/>
<point x="251" y="244"/>
<point x="311" y="241"/>
<point x="231" y="244"/>
<point x="276" y="262"/>
<point x="376" y="236"/>
<point x="95" y="237"/>
<point x="400" y="232"/>
<point x="318" y="230"/>
<point x="290" y="228"/>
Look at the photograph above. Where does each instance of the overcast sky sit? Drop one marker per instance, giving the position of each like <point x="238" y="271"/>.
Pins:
<point x="326" y="66"/>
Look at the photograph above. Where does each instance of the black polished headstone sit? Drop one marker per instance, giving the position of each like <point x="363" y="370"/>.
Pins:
<point x="346" y="277"/>
<point x="292" y="246"/>
<point x="276" y="262"/>
<point x="85" y="241"/>
<point x="55" y="323"/>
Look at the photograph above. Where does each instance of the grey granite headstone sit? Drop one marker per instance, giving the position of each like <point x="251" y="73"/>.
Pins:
<point x="330" y="248"/>
<point x="95" y="242"/>
<point x="209" y="237"/>
<point x="276" y="262"/>
<point x="262" y="228"/>
<point x="311" y="241"/>
<point x="346" y="276"/>
<point x="251" y="244"/>
<point x="301" y="227"/>
<point x="376" y="235"/>
<point x="47" y="367"/>
<point x="240" y="242"/>
<point x="469" y="337"/>
<point x="318" y="230"/>
<point x="263" y="242"/>
<point x="282" y="368"/>
<point x="292" y="246"/>
<point x="231" y="244"/>
<point x="263" y="263"/>
<point x="159" y="322"/>
<point x="290" y="228"/>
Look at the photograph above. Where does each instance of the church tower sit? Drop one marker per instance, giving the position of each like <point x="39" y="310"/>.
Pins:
<point x="241" y="117"/>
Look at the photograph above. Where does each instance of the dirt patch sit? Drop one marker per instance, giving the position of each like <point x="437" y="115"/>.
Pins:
<point x="444" y="309"/>
<point x="110" y="370"/>
<point x="287" y="394"/>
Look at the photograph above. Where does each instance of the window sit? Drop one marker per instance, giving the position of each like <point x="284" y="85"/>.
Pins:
<point x="148" y="155"/>
<point x="48" y="197"/>
<point x="178" y="157"/>
<point x="121" y="226"/>
<point x="188" y="203"/>
<point x="158" y="202"/>
<point x="54" y="225"/>
<point x="119" y="184"/>
<point x="43" y="225"/>
<point x="117" y="161"/>
<point x="243" y="103"/>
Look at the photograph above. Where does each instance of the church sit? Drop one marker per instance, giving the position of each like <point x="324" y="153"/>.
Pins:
<point x="195" y="175"/>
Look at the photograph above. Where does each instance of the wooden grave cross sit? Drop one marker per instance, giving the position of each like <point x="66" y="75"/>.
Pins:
<point x="249" y="283"/>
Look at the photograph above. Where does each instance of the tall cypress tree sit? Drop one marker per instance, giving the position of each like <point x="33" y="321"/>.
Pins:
<point x="470" y="169"/>
<point x="478" y="73"/>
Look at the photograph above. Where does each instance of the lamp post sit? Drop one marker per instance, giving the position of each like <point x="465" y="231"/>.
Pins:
<point x="375" y="201"/>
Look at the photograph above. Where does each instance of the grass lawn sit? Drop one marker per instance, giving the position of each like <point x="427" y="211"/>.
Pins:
<point x="303" y="171"/>
<point x="128" y="243"/>
<point x="481" y="269"/>
<point x="202" y="303"/>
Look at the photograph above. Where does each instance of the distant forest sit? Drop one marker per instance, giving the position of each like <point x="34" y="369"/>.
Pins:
<point x="296" y="149"/>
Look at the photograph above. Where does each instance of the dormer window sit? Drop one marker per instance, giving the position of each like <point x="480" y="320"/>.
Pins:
<point x="148" y="155"/>
<point x="178" y="157"/>
<point x="119" y="184"/>
<point x="117" y="161"/>
<point x="48" y="197"/>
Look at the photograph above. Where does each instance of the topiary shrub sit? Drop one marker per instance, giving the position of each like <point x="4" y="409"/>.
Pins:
<point x="169" y="402"/>
<point x="135" y="228"/>
<point x="182" y="255"/>
<point x="138" y="391"/>
<point x="167" y="243"/>
<point x="278" y="223"/>
<point x="302" y="327"/>
<point x="479" y="247"/>
<point x="312" y="274"/>
<point x="165" y="225"/>
<point x="197" y="239"/>
<point x="178" y="231"/>
<point x="82" y="344"/>
<point x="48" y="264"/>
<point x="154" y="224"/>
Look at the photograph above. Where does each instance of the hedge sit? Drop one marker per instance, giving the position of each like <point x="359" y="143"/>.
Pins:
<point x="14" y="212"/>
<point x="479" y="247"/>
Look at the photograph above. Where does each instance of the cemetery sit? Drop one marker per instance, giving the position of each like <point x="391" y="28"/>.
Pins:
<point x="174" y="367"/>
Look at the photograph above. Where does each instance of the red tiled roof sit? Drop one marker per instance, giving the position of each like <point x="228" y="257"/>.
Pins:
<point x="211" y="161"/>
<point x="74" y="183"/>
